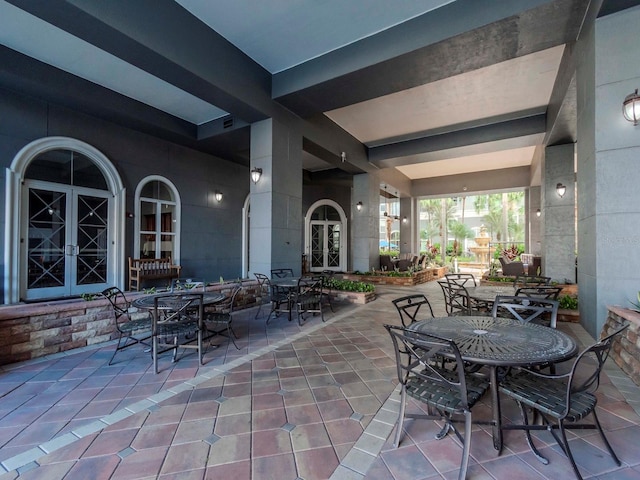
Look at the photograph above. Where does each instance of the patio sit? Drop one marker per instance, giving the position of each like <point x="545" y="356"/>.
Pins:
<point x="310" y="402"/>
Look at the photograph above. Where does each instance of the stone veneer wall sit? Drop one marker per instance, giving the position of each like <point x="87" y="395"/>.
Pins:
<point x="34" y="330"/>
<point x="626" y="349"/>
<point x="29" y="331"/>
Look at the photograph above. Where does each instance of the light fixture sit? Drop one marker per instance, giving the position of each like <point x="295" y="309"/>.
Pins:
<point x="359" y="206"/>
<point x="256" y="173"/>
<point x="218" y="196"/>
<point x="404" y="219"/>
<point x="561" y="190"/>
<point x="343" y="156"/>
<point x="538" y="213"/>
<point x="631" y="107"/>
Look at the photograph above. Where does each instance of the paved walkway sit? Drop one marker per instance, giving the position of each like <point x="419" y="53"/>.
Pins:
<point x="310" y="402"/>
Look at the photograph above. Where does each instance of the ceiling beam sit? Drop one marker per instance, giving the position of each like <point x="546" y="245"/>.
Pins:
<point x="409" y="152"/>
<point x="165" y="40"/>
<point x="335" y="80"/>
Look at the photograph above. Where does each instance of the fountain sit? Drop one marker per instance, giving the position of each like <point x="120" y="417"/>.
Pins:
<point x="482" y="250"/>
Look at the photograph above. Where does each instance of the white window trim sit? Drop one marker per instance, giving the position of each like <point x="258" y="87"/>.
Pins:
<point x="178" y="203"/>
<point x="14" y="208"/>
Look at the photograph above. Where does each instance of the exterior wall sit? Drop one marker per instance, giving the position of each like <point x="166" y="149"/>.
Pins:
<point x="608" y="175"/>
<point x="211" y="231"/>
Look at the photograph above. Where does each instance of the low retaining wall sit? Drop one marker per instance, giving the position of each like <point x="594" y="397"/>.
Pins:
<point x="421" y="276"/>
<point x="626" y="349"/>
<point x="33" y="330"/>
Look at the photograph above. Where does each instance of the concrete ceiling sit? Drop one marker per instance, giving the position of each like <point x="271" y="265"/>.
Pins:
<point x="429" y="87"/>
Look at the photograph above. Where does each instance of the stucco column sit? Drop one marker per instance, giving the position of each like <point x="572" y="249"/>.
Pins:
<point x="608" y="173"/>
<point x="366" y="222"/>
<point x="533" y="235"/>
<point x="559" y="245"/>
<point x="407" y="226"/>
<point x="275" y="233"/>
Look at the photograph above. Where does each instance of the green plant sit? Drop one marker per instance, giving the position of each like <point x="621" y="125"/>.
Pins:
<point x="149" y="291"/>
<point x="567" y="302"/>
<point x="87" y="297"/>
<point x="350" y="285"/>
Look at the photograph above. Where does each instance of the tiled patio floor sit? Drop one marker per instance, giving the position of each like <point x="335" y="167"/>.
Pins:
<point x="310" y="402"/>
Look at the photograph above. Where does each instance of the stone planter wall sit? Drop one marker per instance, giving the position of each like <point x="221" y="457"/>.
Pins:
<point x="34" y="330"/>
<point x="421" y="276"/>
<point x="29" y="331"/>
<point x="626" y="349"/>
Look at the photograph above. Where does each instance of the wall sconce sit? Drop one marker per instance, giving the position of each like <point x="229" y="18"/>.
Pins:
<point x="218" y="196"/>
<point x="404" y="219"/>
<point x="359" y="206"/>
<point x="631" y="107"/>
<point x="561" y="190"/>
<point x="256" y="173"/>
<point x="538" y="213"/>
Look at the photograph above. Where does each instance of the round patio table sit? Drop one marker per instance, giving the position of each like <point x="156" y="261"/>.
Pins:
<point x="488" y="293"/>
<point x="167" y="301"/>
<point x="500" y="342"/>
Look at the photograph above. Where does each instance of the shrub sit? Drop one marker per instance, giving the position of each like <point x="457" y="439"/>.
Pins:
<point x="567" y="302"/>
<point x="350" y="285"/>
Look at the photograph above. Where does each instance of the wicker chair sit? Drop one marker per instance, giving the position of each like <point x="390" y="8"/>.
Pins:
<point x="561" y="401"/>
<point x="510" y="268"/>
<point x="449" y="393"/>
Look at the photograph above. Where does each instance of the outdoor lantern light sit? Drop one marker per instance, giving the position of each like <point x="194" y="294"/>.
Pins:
<point x="404" y="219"/>
<point x="359" y="206"/>
<point x="631" y="107"/>
<point x="561" y="190"/>
<point x="218" y="196"/>
<point x="538" y="213"/>
<point x="256" y="173"/>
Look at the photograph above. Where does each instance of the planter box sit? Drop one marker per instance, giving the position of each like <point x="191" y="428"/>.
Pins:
<point x="421" y="276"/>
<point x="359" y="298"/>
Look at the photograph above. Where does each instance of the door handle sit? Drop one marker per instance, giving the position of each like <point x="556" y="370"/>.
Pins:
<point x="72" y="250"/>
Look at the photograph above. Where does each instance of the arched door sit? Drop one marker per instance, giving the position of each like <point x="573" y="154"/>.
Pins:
<point x="65" y="233"/>
<point x="325" y="239"/>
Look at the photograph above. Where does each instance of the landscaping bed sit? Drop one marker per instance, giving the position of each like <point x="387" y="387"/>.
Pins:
<point x="398" y="278"/>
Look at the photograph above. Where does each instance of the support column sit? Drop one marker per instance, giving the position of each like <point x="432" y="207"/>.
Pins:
<point x="407" y="226"/>
<point x="559" y="251"/>
<point x="366" y="222"/>
<point x="534" y="232"/>
<point x="608" y="173"/>
<point x="275" y="233"/>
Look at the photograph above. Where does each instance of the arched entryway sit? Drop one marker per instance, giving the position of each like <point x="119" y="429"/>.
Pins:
<point x="325" y="237"/>
<point x="66" y="231"/>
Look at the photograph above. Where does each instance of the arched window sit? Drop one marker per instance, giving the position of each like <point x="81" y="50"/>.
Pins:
<point x="157" y="232"/>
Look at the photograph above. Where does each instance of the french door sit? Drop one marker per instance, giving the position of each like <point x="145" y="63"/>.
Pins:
<point x="65" y="240"/>
<point x="325" y="245"/>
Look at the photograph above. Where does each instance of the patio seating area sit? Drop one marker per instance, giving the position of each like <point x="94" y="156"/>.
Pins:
<point x="311" y="401"/>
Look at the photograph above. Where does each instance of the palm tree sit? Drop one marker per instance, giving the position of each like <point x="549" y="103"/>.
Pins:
<point x="460" y="232"/>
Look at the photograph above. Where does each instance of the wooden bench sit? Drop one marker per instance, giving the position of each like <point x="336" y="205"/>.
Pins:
<point x="150" y="268"/>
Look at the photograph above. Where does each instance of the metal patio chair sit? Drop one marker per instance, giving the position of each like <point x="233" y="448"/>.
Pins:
<point x="448" y="393"/>
<point x="219" y="317"/>
<point x="126" y="327"/>
<point x="409" y="308"/>
<point x="561" y="402"/>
